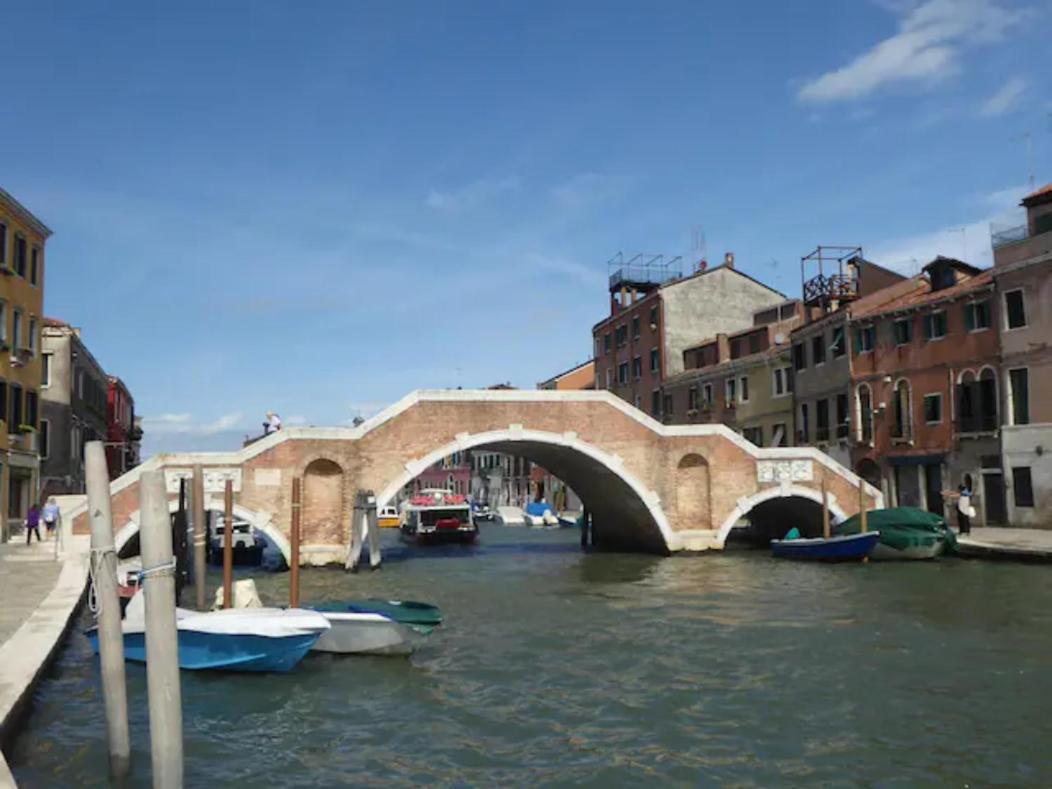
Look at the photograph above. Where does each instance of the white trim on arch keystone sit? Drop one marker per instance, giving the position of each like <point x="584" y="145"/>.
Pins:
<point x="746" y="503"/>
<point x="611" y="462"/>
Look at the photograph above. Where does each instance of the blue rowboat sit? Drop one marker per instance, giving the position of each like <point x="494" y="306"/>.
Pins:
<point x="846" y="548"/>
<point x="236" y="639"/>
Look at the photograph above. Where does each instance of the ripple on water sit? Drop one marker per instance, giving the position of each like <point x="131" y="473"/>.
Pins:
<point x="556" y="667"/>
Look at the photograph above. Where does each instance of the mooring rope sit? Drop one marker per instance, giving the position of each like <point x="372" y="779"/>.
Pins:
<point x="96" y="557"/>
<point x="167" y="568"/>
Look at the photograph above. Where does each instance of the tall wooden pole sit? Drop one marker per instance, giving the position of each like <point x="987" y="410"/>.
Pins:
<point x="864" y="526"/>
<point x="372" y="522"/>
<point x="825" y="509"/>
<point x="228" y="544"/>
<point x="111" y="641"/>
<point x="294" y="545"/>
<point x="162" y="640"/>
<point x="200" y="537"/>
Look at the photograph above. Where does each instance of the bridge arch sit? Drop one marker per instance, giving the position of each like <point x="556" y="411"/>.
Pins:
<point x="623" y="509"/>
<point x="786" y="493"/>
<point x="261" y="521"/>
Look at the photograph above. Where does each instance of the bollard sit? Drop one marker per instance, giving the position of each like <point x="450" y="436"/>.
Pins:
<point x="162" y="639"/>
<point x="104" y="578"/>
<point x="200" y="537"/>
<point x="294" y="546"/>
<point x="228" y="544"/>
<point x="825" y="509"/>
<point x="373" y="529"/>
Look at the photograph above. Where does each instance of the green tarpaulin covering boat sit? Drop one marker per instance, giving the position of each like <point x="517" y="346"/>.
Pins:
<point x="905" y="533"/>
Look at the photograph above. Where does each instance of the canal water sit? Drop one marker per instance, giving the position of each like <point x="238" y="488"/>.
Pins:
<point x="557" y="668"/>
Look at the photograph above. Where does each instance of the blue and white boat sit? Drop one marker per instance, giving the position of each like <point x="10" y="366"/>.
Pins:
<point x="539" y="515"/>
<point x="235" y="639"/>
<point x="845" y="548"/>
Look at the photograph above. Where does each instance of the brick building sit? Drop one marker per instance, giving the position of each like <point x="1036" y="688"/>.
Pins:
<point x="124" y="433"/>
<point x="1023" y="277"/>
<point x="656" y="314"/>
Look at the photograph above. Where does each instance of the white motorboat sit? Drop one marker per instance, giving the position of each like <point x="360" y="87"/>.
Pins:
<point x="352" y="633"/>
<point x="511" y="516"/>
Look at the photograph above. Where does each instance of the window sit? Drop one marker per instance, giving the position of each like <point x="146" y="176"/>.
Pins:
<point x="843" y="419"/>
<point x="822" y="420"/>
<point x="783" y="381"/>
<point x="654" y="365"/>
<point x="3" y="322"/>
<point x="838" y="347"/>
<point x="34" y="265"/>
<point x="609" y="377"/>
<point x="32" y="412"/>
<point x="804" y="433"/>
<point x="736" y="348"/>
<point x="935" y="325"/>
<point x="730" y="391"/>
<point x="865" y="414"/>
<point x="637" y="368"/>
<point x="743" y="388"/>
<point x="780" y="436"/>
<point x="933" y="409"/>
<point x="655" y="403"/>
<point x="44" y="442"/>
<point x="706" y="394"/>
<point x="3" y="404"/>
<point x="692" y="399"/>
<point x="1015" y="310"/>
<point x="16" y="407"/>
<point x="621" y="336"/>
<point x="1023" y="486"/>
<point x="635" y="327"/>
<point x="20" y="256"/>
<point x="903" y="427"/>
<point x="16" y="330"/>
<point x="754" y="343"/>
<point x="622" y="373"/>
<point x="653" y="317"/>
<point x="637" y="401"/>
<point x="818" y="350"/>
<point x="668" y="405"/>
<point x="865" y="339"/>
<point x="33" y="336"/>
<point x="3" y="243"/>
<point x="754" y="434"/>
<point x="606" y="343"/>
<point x="977" y="315"/>
<point x="903" y="329"/>
<point x="1019" y="383"/>
<point x="799" y="357"/>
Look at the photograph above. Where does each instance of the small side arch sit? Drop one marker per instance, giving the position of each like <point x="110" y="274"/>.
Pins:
<point x="693" y="492"/>
<point x="747" y="503"/>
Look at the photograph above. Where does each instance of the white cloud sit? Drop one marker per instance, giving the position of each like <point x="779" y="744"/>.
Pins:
<point x="924" y="51"/>
<point x="471" y="195"/>
<point x="184" y="423"/>
<point x="1005" y="99"/>
<point x="587" y="189"/>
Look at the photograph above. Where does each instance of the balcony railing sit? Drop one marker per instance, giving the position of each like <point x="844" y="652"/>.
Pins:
<point x="1009" y="235"/>
<point x="981" y="423"/>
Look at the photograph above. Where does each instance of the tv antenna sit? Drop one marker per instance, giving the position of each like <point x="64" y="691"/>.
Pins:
<point x="698" y="246"/>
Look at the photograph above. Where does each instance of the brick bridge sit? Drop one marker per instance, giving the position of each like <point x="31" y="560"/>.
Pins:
<point x="649" y="486"/>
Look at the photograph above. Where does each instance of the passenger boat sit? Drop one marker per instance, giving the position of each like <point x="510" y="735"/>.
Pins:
<point x="420" y="617"/>
<point x="234" y="639"/>
<point x="539" y="515"/>
<point x="356" y="633"/>
<point x="844" y="548"/>
<point x="247" y="548"/>
<point x="438" y="516"/>
<point x="388" y="517"/>
<point x="905" y="533"/>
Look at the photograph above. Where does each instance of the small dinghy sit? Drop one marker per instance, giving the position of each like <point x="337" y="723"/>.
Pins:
<point x="420" y="617"/>
<point x="353" y="633"/>
<point x="846" y="548"/>
<point x="538" y="514"/>
<point x="235" y="639"/>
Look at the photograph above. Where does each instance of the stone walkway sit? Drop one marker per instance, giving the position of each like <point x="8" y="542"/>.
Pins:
<point x="27" y="576"/>
<point x="999" y="543"/>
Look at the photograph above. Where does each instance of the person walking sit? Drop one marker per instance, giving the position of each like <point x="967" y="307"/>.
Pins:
<point x="962" y="497"/>
<point x="32" y="523"/>
<point x="51" y="515"/>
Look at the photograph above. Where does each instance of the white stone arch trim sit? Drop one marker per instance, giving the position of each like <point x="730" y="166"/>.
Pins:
<point x="263" y="521"/>
<point x="859" y="425"/>
<point x="747" y="503"/>
<point x="515" y="434"/>
<point x="967" y="371"/>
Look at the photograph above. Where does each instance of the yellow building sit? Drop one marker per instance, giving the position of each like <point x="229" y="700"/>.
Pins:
<point x="22" y="239"/>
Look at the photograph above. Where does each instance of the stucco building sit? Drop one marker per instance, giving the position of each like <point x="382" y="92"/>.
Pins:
<point x="1023" y="276"/>
<point x="22" y="240"/>
<point x="656" y="314"/>
<point x="577" y="378"/>
<point x="73" y="407"/>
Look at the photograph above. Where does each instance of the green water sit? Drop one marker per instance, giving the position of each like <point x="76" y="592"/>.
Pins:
<point x="560" y="668"/>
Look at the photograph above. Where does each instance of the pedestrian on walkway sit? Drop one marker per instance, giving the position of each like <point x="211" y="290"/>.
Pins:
<point x="51" y="515"/>
<point x="962" y="497"/>
<point x="32" y="523"/>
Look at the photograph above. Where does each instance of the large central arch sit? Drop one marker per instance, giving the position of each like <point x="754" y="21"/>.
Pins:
<point x="624" y="511"/>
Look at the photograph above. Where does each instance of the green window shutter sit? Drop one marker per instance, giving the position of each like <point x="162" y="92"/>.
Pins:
<point x="969" y="317"/>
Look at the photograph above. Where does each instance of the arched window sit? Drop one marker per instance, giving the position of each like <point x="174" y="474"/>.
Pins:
<point x="903" y="427"/>
<point x="865" y="413"/>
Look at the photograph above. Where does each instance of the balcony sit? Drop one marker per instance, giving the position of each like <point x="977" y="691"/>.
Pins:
<point x="980" y="423"/>
<point x="1008" y="235"/>
<point x="1013" y="244"/>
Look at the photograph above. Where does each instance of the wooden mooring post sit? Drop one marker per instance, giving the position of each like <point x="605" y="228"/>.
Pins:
<point x="197" y="493"/>
<point x="228" y="544"/>
<point x="364" y="524"/>
<point x="863" y="514"/>
<point x="104" y="582"/>
<point x="372" y="524"/>
<point x="825" y="509"/>
<point x="586" y="526"/>
<point x="162" y="642"/>
<point x="294" y="544"/>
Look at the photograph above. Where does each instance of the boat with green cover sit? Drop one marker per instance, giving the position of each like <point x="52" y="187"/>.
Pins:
<point x="421" y="617"/>
<point x="905" y="533"/>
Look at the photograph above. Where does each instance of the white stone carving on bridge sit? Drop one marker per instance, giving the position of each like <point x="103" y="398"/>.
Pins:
<point x="215" y="479"/>
<point x="784" y="471"/>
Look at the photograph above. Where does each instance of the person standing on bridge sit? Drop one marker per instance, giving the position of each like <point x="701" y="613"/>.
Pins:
<point x="32" y="523"/>
<point x="51" y="515"/>
<point x="273" y="423"/>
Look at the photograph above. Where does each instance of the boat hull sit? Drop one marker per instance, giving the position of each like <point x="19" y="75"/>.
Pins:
<point x="440" y="536"/>
<point x="847" y="548"/>
<point x="885" y="552"/>
<point x="225" y="652"/>
<point x="364" y="634"/>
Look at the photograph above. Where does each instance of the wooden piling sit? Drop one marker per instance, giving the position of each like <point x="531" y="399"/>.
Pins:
<point x="862" y="513"/>
<point x="584" y="527"/>
<point x="228" y="544"/>
<point x="111" y="641"/>
<point x="200" y="538"/>
<point x="162" y="642"/>
<point x="825" y="509"/>
<point x="372" y="527"/>
<point x="294" y="545"/>
<point x="357" y="526"/>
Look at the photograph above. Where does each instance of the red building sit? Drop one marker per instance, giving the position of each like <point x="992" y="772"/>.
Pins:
<point x="123" y="433"/>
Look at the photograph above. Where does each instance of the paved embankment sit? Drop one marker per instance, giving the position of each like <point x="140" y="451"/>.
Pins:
<point x="998" y="543"/>
<point x="40" y="595"/>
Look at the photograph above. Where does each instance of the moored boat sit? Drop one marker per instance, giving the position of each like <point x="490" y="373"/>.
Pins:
<point x="905" y="533"/>
<point x="845" y="548"/>
<point x="420" y="617"/>
<point x="438" y="516"/>
<point x="539" y="515"/>
<point x="388" y="518"/>
<point x="357" y="633"/>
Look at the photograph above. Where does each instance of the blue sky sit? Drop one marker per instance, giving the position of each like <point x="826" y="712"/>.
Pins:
<point x="317" y="207"/>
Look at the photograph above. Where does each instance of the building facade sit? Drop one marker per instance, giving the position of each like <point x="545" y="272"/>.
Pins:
<point x="581" y="376"/>
<point x="1023" y="277"/>
<point x="123" y="429"/>
<point x="73" y="394"/>
<point x="22" y="241"/>
<point x="656" y="314"/>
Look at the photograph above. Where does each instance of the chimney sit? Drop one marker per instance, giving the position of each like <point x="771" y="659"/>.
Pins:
<point x="728" y="259"/>
<point x="703" y="264"/>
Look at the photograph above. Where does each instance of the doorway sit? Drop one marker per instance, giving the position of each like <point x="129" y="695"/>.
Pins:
<point x="994" y="497"/>
<point x="933" y="487"/>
